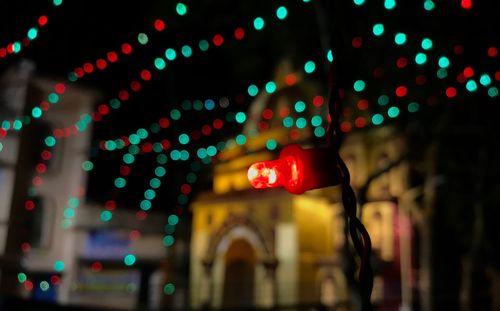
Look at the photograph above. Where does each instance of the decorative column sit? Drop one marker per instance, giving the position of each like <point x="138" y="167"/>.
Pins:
<point x="206" y="283"/>
<point x="333" y="285"/>
<point x="269" y="285"/>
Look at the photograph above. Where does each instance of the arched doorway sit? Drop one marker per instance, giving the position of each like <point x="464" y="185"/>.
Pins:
<point x="239" y="275"/>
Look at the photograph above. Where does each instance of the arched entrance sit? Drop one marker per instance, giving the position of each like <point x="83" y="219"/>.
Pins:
<point x="239" y="276"/>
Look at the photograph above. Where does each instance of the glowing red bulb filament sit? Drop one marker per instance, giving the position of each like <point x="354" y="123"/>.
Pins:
<point x="297" y="170"/>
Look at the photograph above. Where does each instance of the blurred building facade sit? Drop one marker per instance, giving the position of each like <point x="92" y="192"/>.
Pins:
<point x="248" y="248"/>
<point x="55" y="246"/>
<point x="268" y="248"/>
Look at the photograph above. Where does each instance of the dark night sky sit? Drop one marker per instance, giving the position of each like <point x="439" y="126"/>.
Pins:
<point x="81" y="31"/>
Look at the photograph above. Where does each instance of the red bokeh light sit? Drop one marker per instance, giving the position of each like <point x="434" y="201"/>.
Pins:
<point x="492" y="51"/>
<point x="60" y="88"/>
<point x="263" y="126"/>
<point x="43" y="20"/>
<point x="88" y="67"/>
<point x="123" y="95"/>
<point x="166" y="144"/>
<point x="46" y="155"/>
<point x="164" y="122"/>
<point x="218" y="40"/>
<point x="79" y="72"/>
<point x="96" y="266"/>
<point x="468" y="72"/>
<point x="206" y="130"/>
<point x="110" y="205"/>
<point x="134" y="235"/>
<point x="112" y="57"/>
<point x="146" y="75"/>
<point x="41" y="168"/>
<point x="126" y="48"/>
<point x="217" y="124"/>
<point x="360" y="122"/>
<point x="466" y="4"/>
<point x="25" y="247"/>
<point x="29" y="205"/>
<point x="401" y="91"/>
<point x="284" y="111"/>
<point x="55" y="280"/>
<point x="28" y="285"/>
<point x="294" y="134"/>
<point x="290" y="79"/>
<point x="141" y="215"/>
<point x="402" y="62"/>
<point x="159" y="25"/>
<point x="103" y="109"/>
<point x="363" y="104"/>
<point x="135" y="86"/>
<point x="318" y="101"/>
<point x="345" y="126"/>
<point x="239" y="33"/>
<point x="37" y="181"/>
<point x="357" y="42"/>
<point x="124" y="170"/>
<point x="101" y="64"/>
<point x="267" y="114"/>
<point x="451" y="92"/>
<point x="186" y="188"/>
<point x="147" y="147"/>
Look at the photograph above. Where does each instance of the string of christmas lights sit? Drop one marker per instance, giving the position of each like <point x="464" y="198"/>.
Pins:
<point x="15" y="46"/>
<point x="377" y="119"/>
<point x="50" y="141"/>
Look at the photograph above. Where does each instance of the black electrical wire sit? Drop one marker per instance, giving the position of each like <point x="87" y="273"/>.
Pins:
<point x="357" y="231"/>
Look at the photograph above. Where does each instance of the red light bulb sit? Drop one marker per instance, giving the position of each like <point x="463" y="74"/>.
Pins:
<point x="297" y="170"/>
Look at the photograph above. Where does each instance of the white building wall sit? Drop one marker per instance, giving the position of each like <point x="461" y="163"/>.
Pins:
<point x="287" y="250"/>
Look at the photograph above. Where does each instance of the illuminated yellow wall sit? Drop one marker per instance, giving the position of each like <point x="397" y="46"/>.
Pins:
<point x="313" y="217"/>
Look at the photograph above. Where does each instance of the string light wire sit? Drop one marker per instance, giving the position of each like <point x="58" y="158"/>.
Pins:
<point x="357" y="231"/>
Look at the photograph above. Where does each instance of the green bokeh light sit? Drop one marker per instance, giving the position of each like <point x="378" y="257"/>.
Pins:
<point x="378" y="29"/>
<point x="271" y="144"/>
<point x="413" y="107"/>
<point x="471" y="86"/>
<point x="181" y="9"/>
<point x="427" y="44"/>
<point x="309" y="67"/>
<point x="377" y="119"/>
<point x="359" y="85"/>
<point x="444" y="62"/>
<point x="59" y="265"/>
<point x="142" y="38"/>
<point x="203" y="45"/>
<point x="120" y="182"/>
<point x="400" y="38"/>
<point x="160" y="63"/>
<point x="106" y="216"/>
<point x="129" y="260"/>
<point x="169" y="289"/>
<point x="186" y="51"/>
<point x="258" y="23"/>
<point x="170" y="54"/>
<point x="393" y="112"/>
<point x="87" y="166"/>
<point x="420" y="58"/>
<point x="241" y="117"/>
<point x="253" y="90"/>
<point x="281" y="12"/>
